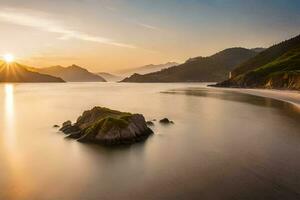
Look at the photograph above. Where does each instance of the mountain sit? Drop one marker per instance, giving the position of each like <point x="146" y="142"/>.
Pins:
<point x="146" y="69"/>
<point x="200" y="69"/>
<point x="276" y="67"/>
<point x="17" y="73"/>
<point x="258" y="49"/>
<point x="110" y="77"/>
<point x="72" y="73"/>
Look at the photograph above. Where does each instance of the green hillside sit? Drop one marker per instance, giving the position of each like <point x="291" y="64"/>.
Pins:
<point x="267" y="56"/>
<point x="281" y="73"/>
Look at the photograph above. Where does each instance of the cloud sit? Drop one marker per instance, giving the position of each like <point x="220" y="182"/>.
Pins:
<point x="148" y="26"/>
<point x="110" y="8"/>
<point x="143" y="25"/>
<point x="133" y="21"/>
<point x="40" y="21"/>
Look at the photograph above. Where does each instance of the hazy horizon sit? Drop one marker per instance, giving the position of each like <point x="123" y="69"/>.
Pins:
<point x="114" y="35"/>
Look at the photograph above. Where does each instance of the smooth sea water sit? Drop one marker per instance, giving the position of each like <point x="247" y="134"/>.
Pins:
<point x="223" y="145"/>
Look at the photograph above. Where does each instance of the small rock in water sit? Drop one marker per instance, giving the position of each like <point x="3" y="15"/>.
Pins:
<point x="165" y="121"/>
<point x="55" y="126"/>
<point x="105" y="126"/>
<point x="150" y="123"/>
<point x="67" y="123"/>
<point x="67" y="127"/>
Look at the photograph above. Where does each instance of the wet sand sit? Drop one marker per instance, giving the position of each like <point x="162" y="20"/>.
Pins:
<point x="290" y="96"/>
<point x="283" y="95"/>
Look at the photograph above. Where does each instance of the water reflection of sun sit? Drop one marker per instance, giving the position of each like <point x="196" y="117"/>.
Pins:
<point x="14" y="156"/>
<point x="9" y="115"/>
<point x="9" y="101"/>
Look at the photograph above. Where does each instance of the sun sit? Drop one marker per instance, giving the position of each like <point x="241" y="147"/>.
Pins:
<point x="9" y="58"/>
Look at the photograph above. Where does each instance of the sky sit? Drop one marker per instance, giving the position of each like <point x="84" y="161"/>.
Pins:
<point x="111" y="35"/>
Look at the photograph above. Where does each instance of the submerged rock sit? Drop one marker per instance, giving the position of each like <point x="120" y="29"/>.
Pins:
<point x="105" y="126"/>
<point x="165" y="121"/>
<point x="55" y="126"/>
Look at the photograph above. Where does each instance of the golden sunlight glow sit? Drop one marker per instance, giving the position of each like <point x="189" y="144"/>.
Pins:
<point x="8" y="58"/>
<point x="9" y="116"/>
<point x="9" y="99"/>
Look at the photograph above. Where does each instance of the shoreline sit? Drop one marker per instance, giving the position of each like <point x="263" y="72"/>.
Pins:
<point x="289" y="96"/>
